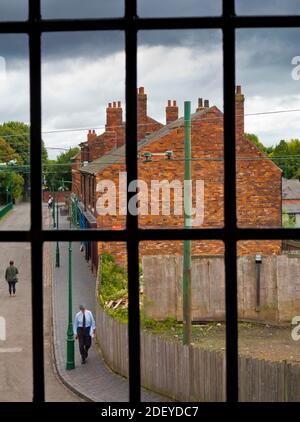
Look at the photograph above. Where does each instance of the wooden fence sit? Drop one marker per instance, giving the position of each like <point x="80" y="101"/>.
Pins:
<point x="279" y="288"/>
<point x="194" y="374"/>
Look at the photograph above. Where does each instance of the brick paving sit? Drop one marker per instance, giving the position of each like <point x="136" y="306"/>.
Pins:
<point x="94" y="381"/>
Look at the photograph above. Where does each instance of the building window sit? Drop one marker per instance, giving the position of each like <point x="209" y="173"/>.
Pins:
<point x="230" y="233"/>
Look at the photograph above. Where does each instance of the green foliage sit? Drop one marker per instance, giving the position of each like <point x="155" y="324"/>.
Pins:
<point x="288" y="153"/>
<point x="14" y="182"/>
<point x="7" y="153"/>
<point x="17" y="135"/>
<point x="288" y="221"/>
<point x="113" y="285"/>
<point x="159" y="327"/>
<point x="60" y="169"/>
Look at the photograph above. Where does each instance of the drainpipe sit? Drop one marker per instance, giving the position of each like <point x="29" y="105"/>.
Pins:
<point x="258" y="260"/>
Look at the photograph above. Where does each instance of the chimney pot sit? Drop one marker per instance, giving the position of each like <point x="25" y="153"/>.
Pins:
<point x="119" y="104"/>
<point x="238" y="89"/>
<point x="200" y="102"/>
<point x="206" y="103"/>
<point x="114" y="104"/>
<point x="174" y="103"/>
<point x="109" y="104"/>
<point x="169" y="103"/>
<point x="141" y="90"/>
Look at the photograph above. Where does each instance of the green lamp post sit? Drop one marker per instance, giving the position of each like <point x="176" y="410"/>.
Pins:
<point x="57" y="253"/>
<point x="70" y="336"/>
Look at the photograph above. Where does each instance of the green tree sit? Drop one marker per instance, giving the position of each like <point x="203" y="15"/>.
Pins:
<point x="7" y="153"/>
<point x="287" y="156"/>
<point x="12" y="181"/>
<point x="61" y="168"/>
<point x="17" y="135"/>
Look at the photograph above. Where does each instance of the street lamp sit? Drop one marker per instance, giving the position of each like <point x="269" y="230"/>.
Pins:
<point x="70" y="337"/>
<point x="57" y="254"/>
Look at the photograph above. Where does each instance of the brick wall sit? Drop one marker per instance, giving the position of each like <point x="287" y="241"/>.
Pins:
<point x="258" y="184"/>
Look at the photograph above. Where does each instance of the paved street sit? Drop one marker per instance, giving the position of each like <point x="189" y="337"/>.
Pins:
<point x="15" y="352"/>
<point x="93" y="380"/>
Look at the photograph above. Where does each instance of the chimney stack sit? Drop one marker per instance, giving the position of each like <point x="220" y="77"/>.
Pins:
<point x="200" y="105"/>
<point x="114" y="116"/>
<point x="171" y="112"/>
<point x="91" y="135"/>
<point x="142" y="105"/>
<point x="239" y="113"/>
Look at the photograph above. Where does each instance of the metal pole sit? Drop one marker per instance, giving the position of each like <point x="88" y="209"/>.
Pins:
<point x="57" y="254"/>
<point x="187" y="259"/>
<point x="11" y="187"/>
<point x="70" y="337"/>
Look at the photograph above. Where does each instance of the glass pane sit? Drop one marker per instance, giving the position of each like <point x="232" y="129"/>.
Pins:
<point x="269" y="329"/>
<point x="15" y="318"/>
<point x="168" y="153"/>
<point x="268" y="145"/>
<point x="14" y="132"/>
<point x="183" y="320"/>
<point x="83" y="126"/>
<point x="155" y="8"/>
<point x="101" y="356"/>
<point x="77" y="9"/>
<point x="267" y="7"/>
<point x="13" y="10"/>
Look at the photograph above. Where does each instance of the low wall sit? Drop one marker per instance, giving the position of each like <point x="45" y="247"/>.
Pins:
<point x="60" y="196"/>
<point x="279" y="290"/>
<point x="5" y="209"/>
<point x="193" y="374"/>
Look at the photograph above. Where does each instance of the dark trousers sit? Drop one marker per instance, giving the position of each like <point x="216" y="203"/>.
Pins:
<point x="12" y="287"/>
<point x="85" y="340"/>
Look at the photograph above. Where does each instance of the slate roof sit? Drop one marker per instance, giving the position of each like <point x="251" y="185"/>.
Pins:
<point x="118" y="155"/>
<point x="290" y="188"/>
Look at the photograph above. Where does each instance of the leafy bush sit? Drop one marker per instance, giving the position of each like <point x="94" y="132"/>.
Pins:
<point x="113" y="279"/>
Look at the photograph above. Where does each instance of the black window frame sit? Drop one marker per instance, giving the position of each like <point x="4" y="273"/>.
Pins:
<point x="230" y="234"/>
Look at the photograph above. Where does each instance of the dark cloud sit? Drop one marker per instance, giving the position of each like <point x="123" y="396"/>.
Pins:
<point x="13" y="10"/>
<point x="52" y="9"/>
<point x="267" y="7"/>
<point x="165" y="8"/>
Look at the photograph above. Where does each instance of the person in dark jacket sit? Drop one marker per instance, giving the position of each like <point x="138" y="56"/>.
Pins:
<point x="11" y="278"/>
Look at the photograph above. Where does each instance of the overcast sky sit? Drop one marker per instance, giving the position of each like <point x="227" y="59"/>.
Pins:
<point x="82" y="72"/>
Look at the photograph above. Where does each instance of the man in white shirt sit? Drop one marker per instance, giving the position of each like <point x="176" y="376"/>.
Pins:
<point x="84" y="327"/>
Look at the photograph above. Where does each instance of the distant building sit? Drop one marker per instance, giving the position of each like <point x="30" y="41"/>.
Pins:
<point x="291" y="199"/>
<point x="258" y="178"/>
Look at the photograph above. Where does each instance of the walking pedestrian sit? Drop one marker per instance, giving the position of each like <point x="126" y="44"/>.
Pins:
<point x="50" y="202"/>
<point x="11" y="278"/>
<point x="84" y="328"/>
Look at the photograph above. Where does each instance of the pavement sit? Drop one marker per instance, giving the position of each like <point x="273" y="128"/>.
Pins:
<point x="16" y="350"/>
<point x="93" y="381"/>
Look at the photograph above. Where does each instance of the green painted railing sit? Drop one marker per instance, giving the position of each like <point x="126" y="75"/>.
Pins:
<point x="4" y="210"/>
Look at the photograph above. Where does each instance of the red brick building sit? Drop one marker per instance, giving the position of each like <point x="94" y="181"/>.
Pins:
<point x="258" y="178"/>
